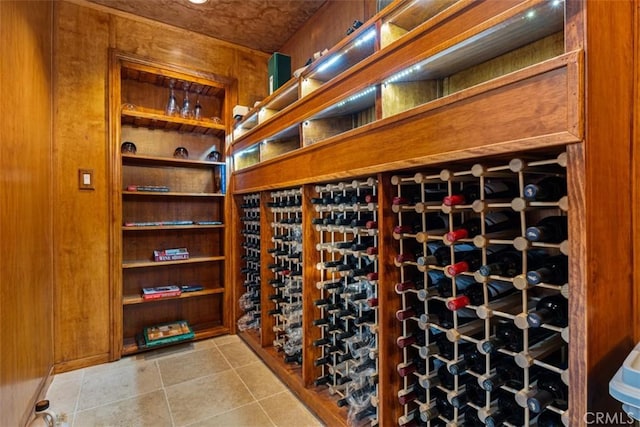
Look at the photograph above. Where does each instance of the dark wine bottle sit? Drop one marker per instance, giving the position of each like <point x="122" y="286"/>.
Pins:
<point x="549" y="418"/>
<point x="510" y="337"/>
<point x="470" y="393"/>
<point x="554" y="270"/>
<point x="552" y="310"/>
<point x="550" y="229"/>
<point x="417" y="338"/>
<point x="549" y="390"/>
<point x="416" y="365"/>
<point x="493" y="189"/>
<point x="474" y="294"/>
<point x="508" y="411"/>
<point x="508" y="263"/>
<point x="493" y="222"/>
<point x="549" y="188"/>
<point x="411" y="311"/>
<point x="472" y="360"/>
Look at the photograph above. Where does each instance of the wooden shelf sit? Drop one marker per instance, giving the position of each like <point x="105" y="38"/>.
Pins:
<point x="165" y="161"/>
<point x="169" y="194"/>
<point x="137" y="299"/>
<point x="143" y="264"/>
<point x="169" y="227"/>
<point x="157" y="120"/>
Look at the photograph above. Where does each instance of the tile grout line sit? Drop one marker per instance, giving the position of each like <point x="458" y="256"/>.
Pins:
<point x="255" y="399"/>
<point x="164" y="393"/>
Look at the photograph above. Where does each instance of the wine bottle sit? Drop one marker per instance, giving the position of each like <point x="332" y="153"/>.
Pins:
<point x="551" y="229"/>
<point x="549" y="418"/>
<point x="469" y="393"/>
<point x="471" y="419"/>
<point x="411" y="394"/>
<point x="467" y="261"/>
<point x="416" y="365"/>
<point x="549" y="188"/>
<point x="417" y="338"/>
<point x="509" y="337"/>
<point x="554" y="270"/>
<point x="411" y="311"/>
<point x="472" y="360"/>
<point x="474" y="294"/>
<point x="508" y="263"/>
<point x="552" y="310"/>
<point x="508" y="373"/>
<point x="493" y="222"/>
<point x="549" y="390"/>
<point x="508" y="411"/>
<point x="493" y="189"/>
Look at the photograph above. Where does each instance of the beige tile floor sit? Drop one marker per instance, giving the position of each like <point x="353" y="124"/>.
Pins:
<point x="217" y="382"/>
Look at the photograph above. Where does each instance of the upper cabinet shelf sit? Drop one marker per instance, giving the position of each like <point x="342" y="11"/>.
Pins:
<point x="411" y="55"/>
<point x="146" y="94"/>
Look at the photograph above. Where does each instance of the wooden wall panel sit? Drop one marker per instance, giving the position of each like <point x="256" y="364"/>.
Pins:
<point x="326" y="28"/>
<point x="82" y="300"/>
<point x="176" y="46"/>
<point x="26" y="233"/>
<point x="84" y="34"/>
<point x="608" y="280"/>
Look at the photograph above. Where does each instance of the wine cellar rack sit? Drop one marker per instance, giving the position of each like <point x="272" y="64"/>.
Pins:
<point x="250" y="301"/>
<point x="488" y="93"/>
<point x="286" y="268"/>
<point x="483" y="283"/>
<point x="347" y="229"/>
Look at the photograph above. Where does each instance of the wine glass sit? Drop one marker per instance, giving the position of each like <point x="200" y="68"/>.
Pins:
<point x="186" y="112"/>
<point x="197" y="110"/>
<point x="172" y="103"/>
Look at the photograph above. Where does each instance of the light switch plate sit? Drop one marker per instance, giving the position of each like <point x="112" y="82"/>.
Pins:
<point x="85" y="179"/>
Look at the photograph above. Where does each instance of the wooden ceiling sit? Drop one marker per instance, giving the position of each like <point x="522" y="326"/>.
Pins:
<point x="263" y="25"/>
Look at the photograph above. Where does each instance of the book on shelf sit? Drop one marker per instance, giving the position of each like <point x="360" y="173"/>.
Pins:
<point x="165" y="333"/>
<point x="209" y="222"/>
<point x="191" y="288"/>
<point x="156" y="223"/>
<point x="170" y="254"/>
<point x="161" y="292"/>
<point x="151" y="188"/>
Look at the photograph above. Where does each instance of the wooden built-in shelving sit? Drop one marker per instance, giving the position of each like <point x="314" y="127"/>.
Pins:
<point x="193" y="191"/>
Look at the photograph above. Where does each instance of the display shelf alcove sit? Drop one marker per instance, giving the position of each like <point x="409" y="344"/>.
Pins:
<point x="169" y="193"/>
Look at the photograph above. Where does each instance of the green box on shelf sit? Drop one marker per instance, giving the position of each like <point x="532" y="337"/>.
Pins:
<point x="279" y="71"/>
<point x="166" y="333"/>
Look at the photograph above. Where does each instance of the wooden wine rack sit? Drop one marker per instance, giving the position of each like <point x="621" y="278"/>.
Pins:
<point x="347" y="295"/>
<point x="503" y="103"/>
<point x="474" y="325"/>
<point x="250" y="299"/>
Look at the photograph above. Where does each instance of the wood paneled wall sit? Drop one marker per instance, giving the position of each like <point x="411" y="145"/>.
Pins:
<point x="326" y="28"/>
<point x="26" y="234"/>
<point x="84" y="33"/>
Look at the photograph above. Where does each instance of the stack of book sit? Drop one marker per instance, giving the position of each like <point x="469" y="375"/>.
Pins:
<point x="161" y="292"/>
<point x="165" y="333"/>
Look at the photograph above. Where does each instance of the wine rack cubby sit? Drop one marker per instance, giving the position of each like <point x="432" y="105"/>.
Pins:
<point x="482" y="257"/>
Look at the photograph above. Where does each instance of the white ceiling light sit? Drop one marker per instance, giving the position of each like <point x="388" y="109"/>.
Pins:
<point x="198" y="1"/>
